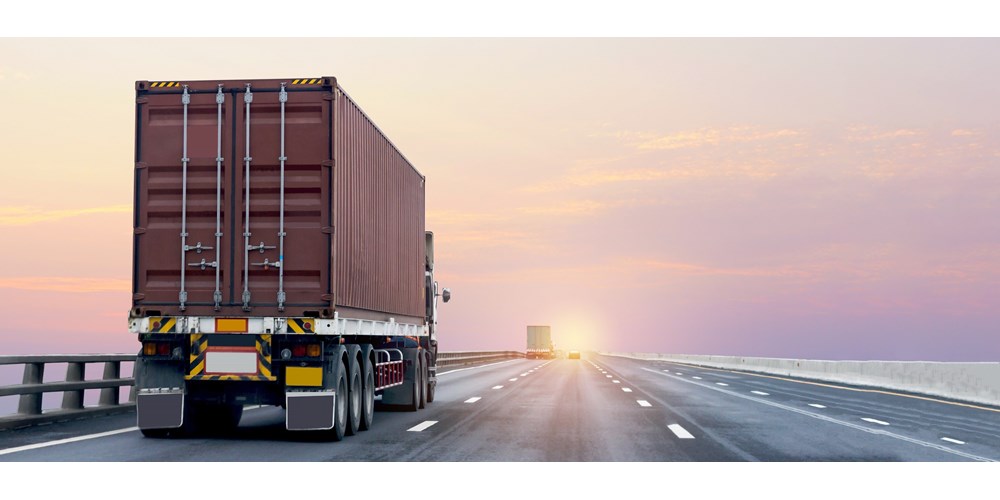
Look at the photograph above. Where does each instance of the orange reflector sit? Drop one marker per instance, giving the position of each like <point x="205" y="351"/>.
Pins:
<point x="149" y="348"/>
<point x="231" y="325"/>
<point x="312" y="350"/>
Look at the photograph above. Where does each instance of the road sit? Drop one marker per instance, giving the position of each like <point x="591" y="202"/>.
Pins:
<point x="599" y="408"/>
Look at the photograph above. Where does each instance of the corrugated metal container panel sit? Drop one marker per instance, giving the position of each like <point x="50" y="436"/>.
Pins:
<point x="365" y="259"/>
<point x="380" y="206"/>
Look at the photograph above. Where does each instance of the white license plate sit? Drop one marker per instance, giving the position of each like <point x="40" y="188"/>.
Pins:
<point x="231" y="362"/>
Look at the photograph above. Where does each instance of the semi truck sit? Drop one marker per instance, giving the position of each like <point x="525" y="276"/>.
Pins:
<point x="279" y="258"/>
<point x="539" y="343"/>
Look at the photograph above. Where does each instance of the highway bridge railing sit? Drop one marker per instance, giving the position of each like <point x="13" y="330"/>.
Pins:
<point x="475" y="357"/>
<point x="74" y="383"/>
<point x="72" y="387"/>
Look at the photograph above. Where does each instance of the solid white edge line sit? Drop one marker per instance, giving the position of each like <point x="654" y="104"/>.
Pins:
<point x="874" y="421"/>
<point x="852" y="425"/>
<point x="36" y="446"/>
<point x="474" y="367"/>
<point x="422" y="426"/>
<point x="679" y="431"/>
<point x="473" y="399"/>
<point x="950" y="440"/>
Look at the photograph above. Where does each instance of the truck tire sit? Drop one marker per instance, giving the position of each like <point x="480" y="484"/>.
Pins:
<point x="424" y="377"/>
<point x="354" y="395"/>
<point x="367" y="395"/>
<point x="340" y="406"/>
<point x="418" y="382"/>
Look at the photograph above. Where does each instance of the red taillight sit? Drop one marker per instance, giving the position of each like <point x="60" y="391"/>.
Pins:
<point x="163" y="348"/>
<point x="299" y="350"/>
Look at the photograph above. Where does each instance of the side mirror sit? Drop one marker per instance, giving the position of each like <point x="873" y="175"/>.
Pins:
<point x="446" y="295"/>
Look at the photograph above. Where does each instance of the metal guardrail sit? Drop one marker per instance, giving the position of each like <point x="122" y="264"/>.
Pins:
<point x="32" y="386"/>
<point x="470" y="357"/>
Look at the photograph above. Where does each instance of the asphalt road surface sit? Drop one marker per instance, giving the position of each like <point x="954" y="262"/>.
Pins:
<point x="599" y="408"/>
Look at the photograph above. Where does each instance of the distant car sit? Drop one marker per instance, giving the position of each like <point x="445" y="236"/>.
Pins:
<point x="574" y="355"/>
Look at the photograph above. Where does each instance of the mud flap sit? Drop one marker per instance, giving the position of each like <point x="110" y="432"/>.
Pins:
<point x="160" y="410"/>
<point x="310" y="411"/>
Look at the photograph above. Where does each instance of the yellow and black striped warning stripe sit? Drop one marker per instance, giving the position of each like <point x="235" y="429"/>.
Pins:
<point x="159" y="324"/>
<point x="301" y="325"/>
<point x="157" y="85"/>
<point x="307" y="81"/>
<point x="196" y="363"/>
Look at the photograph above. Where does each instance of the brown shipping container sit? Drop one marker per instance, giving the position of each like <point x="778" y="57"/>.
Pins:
<point x="353" y="209"/>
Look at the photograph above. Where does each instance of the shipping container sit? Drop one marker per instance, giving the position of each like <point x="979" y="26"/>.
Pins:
<point x="539" y="342"/>
<point x="245" y="212"/>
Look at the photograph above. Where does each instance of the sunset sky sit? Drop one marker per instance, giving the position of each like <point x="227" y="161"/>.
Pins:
<point x="811" y="198"/>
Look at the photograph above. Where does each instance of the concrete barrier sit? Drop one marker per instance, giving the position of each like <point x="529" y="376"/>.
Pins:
<point x="970" y="382"/>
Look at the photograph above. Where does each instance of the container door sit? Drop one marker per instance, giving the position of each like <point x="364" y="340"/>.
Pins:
<point x="181" y="181"/>
<point x="283" y="183"/>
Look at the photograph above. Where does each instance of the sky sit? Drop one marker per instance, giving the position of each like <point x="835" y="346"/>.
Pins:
<point x="802" y="198"/>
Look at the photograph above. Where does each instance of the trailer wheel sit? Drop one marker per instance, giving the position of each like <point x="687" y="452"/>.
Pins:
<point x="424" y="377"/>
<point x="340" y="406"/>
<point x="354" y="400"/>
<point x="367" y="396"/>
<point x="418" y="382"/>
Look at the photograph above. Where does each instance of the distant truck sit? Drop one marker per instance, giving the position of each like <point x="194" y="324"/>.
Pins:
<point x="279" y="258"/>
<point x="539" y="343"/>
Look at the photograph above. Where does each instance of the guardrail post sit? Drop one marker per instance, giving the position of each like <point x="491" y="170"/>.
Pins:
<point x="109" y="395"/>
<point x="73" y="400"/>
<point x="31" y="404"/>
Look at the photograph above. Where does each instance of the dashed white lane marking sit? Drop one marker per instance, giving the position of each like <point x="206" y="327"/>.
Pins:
<point x="643" y="403"/>
<point x="422" y="425"/>
<point x="950" y="440"/>
<point x="760" y="393"/>
<point x="723" y="384"/>
<point x="609" y="376"/>
<point x="874" y="421"/>
<point x="679" y="431"/>
<point x="668" y="371"/>
<point x="617" y="381"/>
<point x="66" y="441"/>
<point x="844" y="423"/>
<point x="815" y="405"/>
<point x="679" y="373"/>
<point x="524" y="374"/>
<point x="473" y="400"/>
<point x="498" y="387"/>
<point x="512" y="379"/>
<point x="696" y="378"/>
<point x="626" y="389"/>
